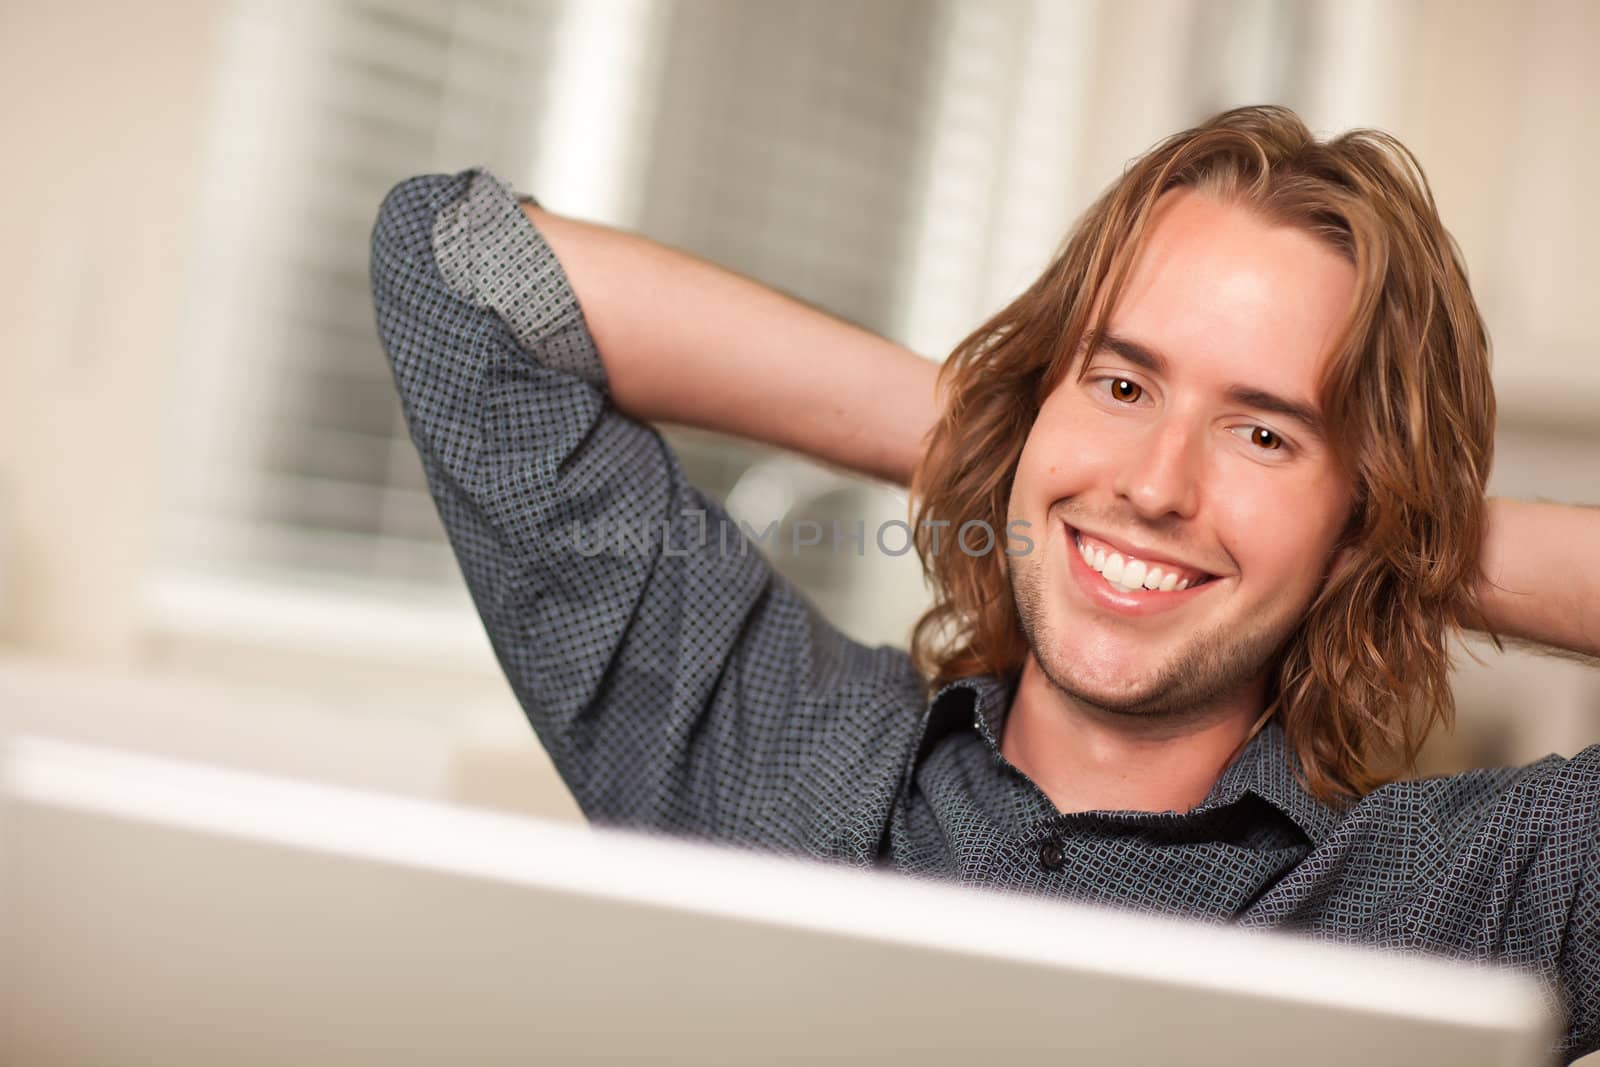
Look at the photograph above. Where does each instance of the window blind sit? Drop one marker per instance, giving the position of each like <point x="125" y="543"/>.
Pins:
<point x="289" y="453"/>
<point x="779" y="140"/>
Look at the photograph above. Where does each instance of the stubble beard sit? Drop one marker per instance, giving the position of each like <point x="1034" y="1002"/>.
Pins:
<point x="1201" y="680"/>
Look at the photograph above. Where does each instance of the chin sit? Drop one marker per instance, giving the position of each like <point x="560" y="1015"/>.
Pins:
<point x="1112" y="689"/>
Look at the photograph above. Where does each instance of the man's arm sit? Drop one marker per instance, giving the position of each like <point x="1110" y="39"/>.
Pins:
<point x="1541" y="574"/>
<point x="688" y="342"/>
<point x="677" y="681"/>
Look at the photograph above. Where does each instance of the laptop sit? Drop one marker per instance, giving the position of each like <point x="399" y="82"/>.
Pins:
<point x="154" y="910"/>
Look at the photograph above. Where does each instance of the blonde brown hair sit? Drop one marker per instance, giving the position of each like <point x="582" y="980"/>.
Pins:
<point x="1406" y="396"/>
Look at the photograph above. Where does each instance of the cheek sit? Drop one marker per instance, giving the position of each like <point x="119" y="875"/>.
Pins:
<point x="1278" y="529"/>
<point x="1069" y="447"/>
<point x="1101" y="445"/>
<point x="1039" y="470"/>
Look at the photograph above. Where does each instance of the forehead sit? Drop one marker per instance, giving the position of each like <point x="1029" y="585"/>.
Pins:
<point x="1230" y="297"/>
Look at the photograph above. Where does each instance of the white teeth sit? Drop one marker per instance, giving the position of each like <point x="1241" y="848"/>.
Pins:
<point x="1130" y="575"/>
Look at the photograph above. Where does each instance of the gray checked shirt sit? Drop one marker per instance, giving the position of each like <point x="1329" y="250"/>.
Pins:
<point x="681" y="685"/>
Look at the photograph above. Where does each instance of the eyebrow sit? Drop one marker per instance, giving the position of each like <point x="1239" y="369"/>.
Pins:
<point x="1149" y="359"/>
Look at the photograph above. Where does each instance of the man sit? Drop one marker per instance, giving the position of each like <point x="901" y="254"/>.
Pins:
<point x="1255" y="371"/>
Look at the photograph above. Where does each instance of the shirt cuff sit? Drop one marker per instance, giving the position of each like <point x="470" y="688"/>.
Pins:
<point x="488" y="252"/>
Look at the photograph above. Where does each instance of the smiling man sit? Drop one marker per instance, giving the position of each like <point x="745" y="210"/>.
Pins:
<point x="1185" y="451"/>
<point x="1245" y="419"/>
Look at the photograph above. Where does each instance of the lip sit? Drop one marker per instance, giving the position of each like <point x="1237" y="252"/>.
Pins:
<point x="1100" y="593"/>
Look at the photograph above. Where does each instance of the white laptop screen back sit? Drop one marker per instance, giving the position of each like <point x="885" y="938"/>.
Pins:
<point x="163" y="912"/>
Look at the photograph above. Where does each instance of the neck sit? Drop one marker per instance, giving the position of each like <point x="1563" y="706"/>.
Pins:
<point x="1085" y="758"/>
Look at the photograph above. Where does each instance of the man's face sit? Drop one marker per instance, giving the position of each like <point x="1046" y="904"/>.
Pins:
<point x="1191" y="445"/>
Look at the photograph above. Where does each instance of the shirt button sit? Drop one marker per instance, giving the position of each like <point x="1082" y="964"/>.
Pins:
<point x="1051" y="858"/>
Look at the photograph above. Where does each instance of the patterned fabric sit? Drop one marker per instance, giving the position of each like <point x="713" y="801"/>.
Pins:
<point x="681" y="685"/>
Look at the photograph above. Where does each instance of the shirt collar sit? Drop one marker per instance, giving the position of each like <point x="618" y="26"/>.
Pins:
<point x="1265" y="768"/>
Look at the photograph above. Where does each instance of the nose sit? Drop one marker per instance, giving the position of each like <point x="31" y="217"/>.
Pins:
<point x="1161" y="474"/>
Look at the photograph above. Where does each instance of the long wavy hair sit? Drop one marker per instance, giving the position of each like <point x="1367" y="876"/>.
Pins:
<point x="1409" y="409"/>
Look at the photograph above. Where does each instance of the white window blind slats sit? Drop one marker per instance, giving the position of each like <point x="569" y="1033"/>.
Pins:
<point x="778" y="139"/>
<point x="785" y="140"/>
<point x="321" y="108"/>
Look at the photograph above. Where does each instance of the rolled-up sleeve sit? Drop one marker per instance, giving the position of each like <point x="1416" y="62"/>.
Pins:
<point x="677" y="682"/>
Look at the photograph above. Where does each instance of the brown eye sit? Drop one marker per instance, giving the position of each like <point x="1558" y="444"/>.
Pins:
<point x="1262" y="437"/>
<point x="1125" y="390"/>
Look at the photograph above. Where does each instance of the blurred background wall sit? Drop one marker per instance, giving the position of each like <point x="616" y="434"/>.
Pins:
<point x="214" y="533"/>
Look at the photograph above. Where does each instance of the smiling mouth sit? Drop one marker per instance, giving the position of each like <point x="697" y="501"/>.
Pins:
<point x="1126" y="574"/>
